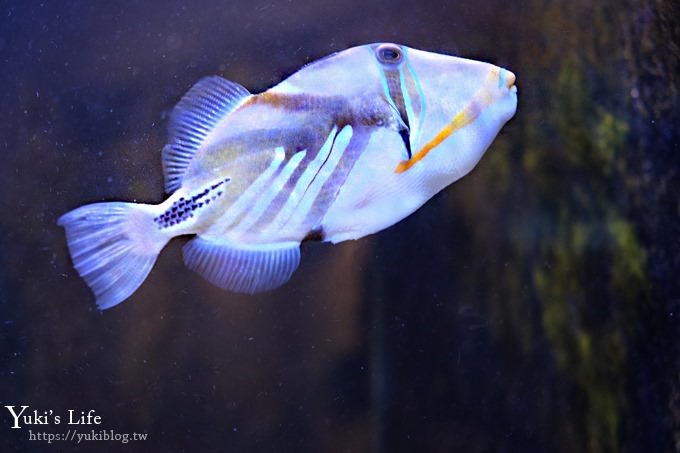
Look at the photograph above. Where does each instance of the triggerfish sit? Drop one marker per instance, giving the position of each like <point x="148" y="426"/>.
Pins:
<point x="345" y="147"/>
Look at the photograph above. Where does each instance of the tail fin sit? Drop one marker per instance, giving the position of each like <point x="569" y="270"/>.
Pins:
<point x="113" y="247"/>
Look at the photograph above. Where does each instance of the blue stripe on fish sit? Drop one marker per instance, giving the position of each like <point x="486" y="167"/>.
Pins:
<point x="415" y="116"/>
<point x="396" y="93"/>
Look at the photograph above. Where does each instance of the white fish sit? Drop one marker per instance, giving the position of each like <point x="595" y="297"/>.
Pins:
<point x="345" y="147"/>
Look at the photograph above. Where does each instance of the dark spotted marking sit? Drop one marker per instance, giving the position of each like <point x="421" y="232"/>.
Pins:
<point x="184" y="208"/>
<point x="317" y="235"/>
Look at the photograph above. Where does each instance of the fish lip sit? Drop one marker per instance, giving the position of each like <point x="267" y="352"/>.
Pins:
<point x="506" y="78"/>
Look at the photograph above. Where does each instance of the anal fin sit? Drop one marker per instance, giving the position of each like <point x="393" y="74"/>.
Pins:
<point x="242" y="268"/>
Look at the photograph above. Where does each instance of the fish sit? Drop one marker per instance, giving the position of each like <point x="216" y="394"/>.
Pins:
<point x="343" y="148"/>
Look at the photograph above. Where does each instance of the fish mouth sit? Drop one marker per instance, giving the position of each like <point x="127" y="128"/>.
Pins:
<point x="507" y="78"/>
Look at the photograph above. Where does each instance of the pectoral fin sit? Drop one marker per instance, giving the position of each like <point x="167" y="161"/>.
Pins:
<point x="242" y="268"/>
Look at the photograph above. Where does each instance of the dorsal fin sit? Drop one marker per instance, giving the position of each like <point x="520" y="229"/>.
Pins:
<point x="196" y="114"/>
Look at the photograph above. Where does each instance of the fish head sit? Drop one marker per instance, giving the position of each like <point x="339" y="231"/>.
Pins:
<point x="456" y="107"/>
<point x="448" y="109"/>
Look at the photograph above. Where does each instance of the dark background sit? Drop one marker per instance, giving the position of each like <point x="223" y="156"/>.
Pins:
<point x="531" y="307"/>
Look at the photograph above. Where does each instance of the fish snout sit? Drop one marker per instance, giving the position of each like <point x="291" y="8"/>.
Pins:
<point x="509" y="79"/>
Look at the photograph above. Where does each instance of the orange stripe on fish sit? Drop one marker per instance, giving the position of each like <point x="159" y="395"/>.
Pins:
<point x="464" y="117"/>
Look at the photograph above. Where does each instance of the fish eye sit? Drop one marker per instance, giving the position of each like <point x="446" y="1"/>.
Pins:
<point x="389" y="54"/>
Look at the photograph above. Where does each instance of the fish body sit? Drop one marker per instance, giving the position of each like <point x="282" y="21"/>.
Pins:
<point x="345" y="147"/>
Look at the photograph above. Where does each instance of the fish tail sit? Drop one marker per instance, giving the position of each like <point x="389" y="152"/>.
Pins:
<point x="113" y="247"/>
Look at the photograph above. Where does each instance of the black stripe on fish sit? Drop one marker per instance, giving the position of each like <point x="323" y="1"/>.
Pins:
<point x="393" y="81"/>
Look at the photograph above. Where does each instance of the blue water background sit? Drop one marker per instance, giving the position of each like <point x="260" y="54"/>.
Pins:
<point x="530" y="307"/>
